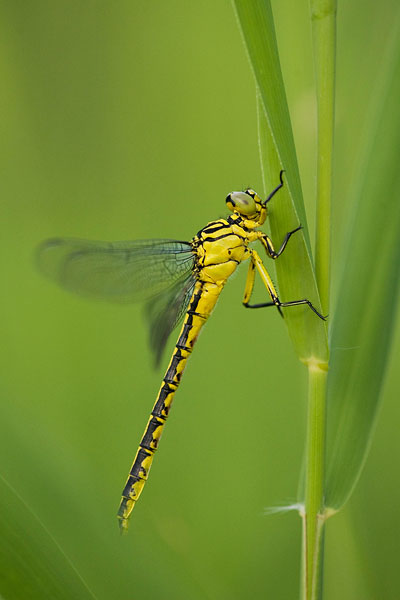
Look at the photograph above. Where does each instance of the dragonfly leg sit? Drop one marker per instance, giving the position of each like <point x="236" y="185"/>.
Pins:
<point x="254" y="260"/>
<point x="277" y="188"/>
<point x="275" y="301"/>
<point x="268" y="245"/>
<point x="304" y="301"/>
<point x="248" y="290"/>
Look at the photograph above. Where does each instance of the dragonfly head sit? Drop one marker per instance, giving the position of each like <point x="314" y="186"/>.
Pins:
<point x="248" y="204"/>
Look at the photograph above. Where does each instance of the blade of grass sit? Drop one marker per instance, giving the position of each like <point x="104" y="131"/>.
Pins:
<point x="369" y="291"/>
<point x="32" y="565"/>
<point x="323" y="20"/>
<point x="294" y="268"/>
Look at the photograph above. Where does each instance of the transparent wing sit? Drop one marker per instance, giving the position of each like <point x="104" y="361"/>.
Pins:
<point x="116" y="271"/>
<point x="165" y="310"/>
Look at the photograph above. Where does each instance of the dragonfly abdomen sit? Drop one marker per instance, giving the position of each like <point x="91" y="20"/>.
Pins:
<point x="202" y="302"/>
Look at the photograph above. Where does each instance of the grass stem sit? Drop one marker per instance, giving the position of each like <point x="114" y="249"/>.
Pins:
<point x="314" y="492"/>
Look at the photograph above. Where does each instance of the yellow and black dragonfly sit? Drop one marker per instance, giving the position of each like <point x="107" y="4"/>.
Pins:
<point x="176" y="280"/>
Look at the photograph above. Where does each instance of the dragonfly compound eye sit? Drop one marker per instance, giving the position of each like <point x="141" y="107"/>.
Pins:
<point x="242" y="202"/>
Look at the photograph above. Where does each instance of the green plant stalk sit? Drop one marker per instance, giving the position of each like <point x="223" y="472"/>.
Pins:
<point x="313" y="518"/>
<point x="309" y="333"/>
<point x="323" y="19"/>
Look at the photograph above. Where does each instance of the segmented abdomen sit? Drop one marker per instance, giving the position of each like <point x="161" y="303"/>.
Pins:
<point x="203" y="300"/>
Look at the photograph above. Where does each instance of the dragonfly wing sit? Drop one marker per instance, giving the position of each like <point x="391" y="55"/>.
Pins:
<point x="165" y="310"/>
<point x="116" y="271"/>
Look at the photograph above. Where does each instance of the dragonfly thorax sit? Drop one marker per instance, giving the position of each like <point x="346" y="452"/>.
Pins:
<point x="247" y="204"/>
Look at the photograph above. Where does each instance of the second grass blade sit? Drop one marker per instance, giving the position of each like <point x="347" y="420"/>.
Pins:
<point x="369" y="292"/>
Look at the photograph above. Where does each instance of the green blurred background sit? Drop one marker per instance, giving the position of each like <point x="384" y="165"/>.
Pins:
<point x="132" y="120"/>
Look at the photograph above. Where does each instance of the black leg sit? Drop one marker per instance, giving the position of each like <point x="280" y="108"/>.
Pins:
<point x="270" y="249"/>
<point x="276" y="189"/>
<point x="304" y="301"/>
<point x="278" y="306"/>
<point x="276" y="302"/>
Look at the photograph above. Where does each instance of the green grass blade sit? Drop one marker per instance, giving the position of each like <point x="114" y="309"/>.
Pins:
<point x="368" y="295"/>
<point x="294" y="268"/>
<point x="32" y="565"/>
<point x="323" y="19"/>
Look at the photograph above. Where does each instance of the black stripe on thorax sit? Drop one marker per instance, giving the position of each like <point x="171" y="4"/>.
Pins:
<point x="237" y="220"/>
<point x="213" y="227"/>
<point x="220" y="237"/>
<point x="216" y="264"/>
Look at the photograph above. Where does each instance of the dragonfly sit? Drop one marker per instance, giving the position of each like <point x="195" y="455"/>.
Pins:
<point x="176" y="280"/>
